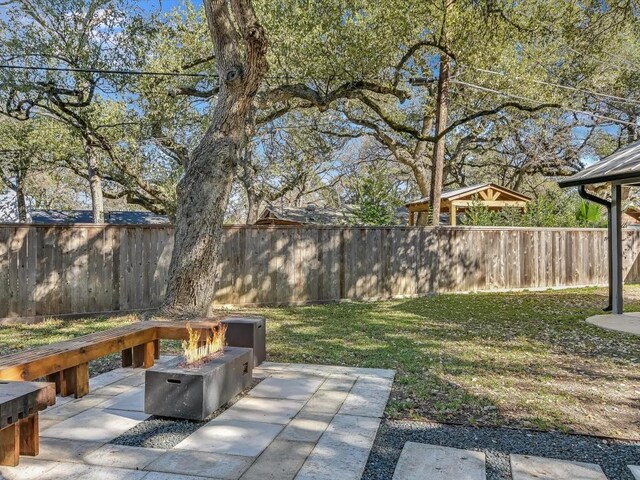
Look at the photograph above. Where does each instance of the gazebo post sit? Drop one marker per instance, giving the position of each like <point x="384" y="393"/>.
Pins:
<point x="616" y="249"/>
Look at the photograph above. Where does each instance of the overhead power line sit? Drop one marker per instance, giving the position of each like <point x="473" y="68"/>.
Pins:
<point x="559" y="85"/>
<point x="527" y="99"/>
<point x="106" y="71"/>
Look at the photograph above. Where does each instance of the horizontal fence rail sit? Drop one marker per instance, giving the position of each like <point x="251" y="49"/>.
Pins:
<point x="75" y="269"/>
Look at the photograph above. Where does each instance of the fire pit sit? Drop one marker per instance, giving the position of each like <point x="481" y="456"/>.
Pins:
<point x="195" y="385"/>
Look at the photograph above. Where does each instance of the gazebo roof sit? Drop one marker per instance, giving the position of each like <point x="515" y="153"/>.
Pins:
<point x="621" y="167"/>
<point x="473" y="189"/>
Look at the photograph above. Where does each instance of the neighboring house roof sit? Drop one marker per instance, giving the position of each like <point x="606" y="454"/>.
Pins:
<point x="624" y="164"/>
<point x="472" y="190"/>
<point x="86" y="216"/>
<point x="309" y="215"/>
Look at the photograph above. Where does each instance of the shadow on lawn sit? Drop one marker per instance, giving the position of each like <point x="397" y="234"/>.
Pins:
<point x="490" y="359"/>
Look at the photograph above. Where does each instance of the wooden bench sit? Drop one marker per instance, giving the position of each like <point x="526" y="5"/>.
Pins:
<point x="20" y="403"/>
<point x="67" y="363"/>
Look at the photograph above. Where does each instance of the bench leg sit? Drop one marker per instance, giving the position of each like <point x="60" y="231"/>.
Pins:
<point x="57" y="379"/>
<point x="149" y="355"/>
<point x="138" y="356"/>
<point x="29" y="436"/>
<point x="82" y="380"/>
<point x="68" y="381"/>
<point x="10" y="445"/>
<point x="127" y="358"/>
<point x="156" y="349"/>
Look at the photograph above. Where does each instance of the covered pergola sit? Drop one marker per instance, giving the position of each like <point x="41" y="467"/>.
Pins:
<point x="489" y="195"/>
<point x="620" y="168"/>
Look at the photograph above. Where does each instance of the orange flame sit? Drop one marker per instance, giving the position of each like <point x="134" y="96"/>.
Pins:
<point x="196" y="349"/>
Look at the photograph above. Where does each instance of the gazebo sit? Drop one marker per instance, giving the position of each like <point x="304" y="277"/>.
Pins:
<point x="490" y="195"/>
<point x="620" y="168"/>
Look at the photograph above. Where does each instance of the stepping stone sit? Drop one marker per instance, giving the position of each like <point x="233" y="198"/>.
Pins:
<point x="325" y="401"/>
<point x="340" y="383"/>
<point x="61" y="450"/>
<point x="368" y="397"/>
<point x="635" y="471"/>
<point x="234" y="437"/>
<point x="69" y="409"/>
<point x="169" y="476"/>
<point x="342" y="451"/>
<point x="306" y="427"/>
<point x="280" y="461"/>
<point x="268" y="410"/>
<point x="76" y="471"/>
<point x="285" y="388"/>
<point x="122" y="456"/>
<point x="96" y="425"/>
<point x="28" y="469"/>
<point x="419" y="461"/>
<point x="525" y="467"/>
<point x="200" y="464"/>
<point x="132" y="400"/>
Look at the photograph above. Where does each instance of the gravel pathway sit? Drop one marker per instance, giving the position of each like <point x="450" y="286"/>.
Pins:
<point x="497" y="443"/>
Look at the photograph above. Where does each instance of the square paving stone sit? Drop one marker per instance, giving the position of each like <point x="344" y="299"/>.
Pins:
<point x="132" y="400"/>
<point x="45" y="423"/>
<point x="291" y="389"/>
<point x="111" y="390"/>
<point x="69" y="409"/>
<point x="325" y="401"/>
<point x="62" y="450"/>
<point x="201" y="464"/>
<point x="77" y="471"/>
<point x="109" y="377"/>
<point x="635" y="471"/>
<point x="266" y="410"/>
<point x="337" y="382"/>
<point x="169" y="476"/>
<point x="306" y="427"/>
<point x="96" y="425"/>
<point x="234" y="437"/>
<point x="135" y="380"/>
<point x="280" y="461"/>
<point x="419" y="461"/>
<point x="28" y="469"/>
<point x="122" y="456"/>
<point x="342" y="451"/>
<point x="368" y="397"/>
<point x="524" y="467"/>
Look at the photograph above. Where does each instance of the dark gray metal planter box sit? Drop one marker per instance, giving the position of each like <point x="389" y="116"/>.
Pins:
<point x="195" y="393"/>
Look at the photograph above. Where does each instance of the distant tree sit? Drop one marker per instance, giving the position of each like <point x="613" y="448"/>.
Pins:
<point x="374" y="194"/>
<point x="551" y="208"/>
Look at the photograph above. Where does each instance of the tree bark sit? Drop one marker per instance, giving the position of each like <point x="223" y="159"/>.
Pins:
<point x="21" y="198"/>
<point x="240" y="47"/>
<point x="95" y="185"/>
<point x="439" y="148"/>
<point x="253" y="208"/>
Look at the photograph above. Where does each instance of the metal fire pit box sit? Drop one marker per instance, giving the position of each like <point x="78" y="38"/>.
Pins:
<point x="248" y="332"/>
<point x="194" y="393"/>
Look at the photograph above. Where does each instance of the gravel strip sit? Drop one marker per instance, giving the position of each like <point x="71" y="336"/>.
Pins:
<point x="162" y="432"/>
<point x="497" y="443"/>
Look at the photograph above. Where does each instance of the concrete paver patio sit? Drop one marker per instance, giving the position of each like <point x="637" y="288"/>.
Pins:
<point x="304" y="422"/>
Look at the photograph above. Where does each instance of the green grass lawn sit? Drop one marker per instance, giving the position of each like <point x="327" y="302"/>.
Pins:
<point x="513" y="359"/>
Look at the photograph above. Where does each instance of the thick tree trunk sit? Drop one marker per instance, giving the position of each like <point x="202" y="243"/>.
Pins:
<point x="240" y="47"/>
<point x="95" y="185"/>
<point x="439" y="148"/>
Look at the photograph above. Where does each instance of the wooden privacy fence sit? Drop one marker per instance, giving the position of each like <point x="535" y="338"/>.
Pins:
<point x="49" y="270"/>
